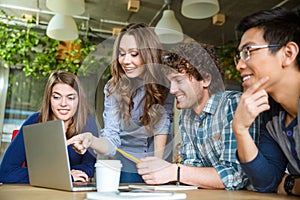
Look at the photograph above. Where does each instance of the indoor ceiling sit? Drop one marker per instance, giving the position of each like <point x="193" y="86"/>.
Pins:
<point x="101" y="16"/>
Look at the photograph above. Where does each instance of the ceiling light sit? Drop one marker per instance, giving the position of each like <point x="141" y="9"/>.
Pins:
<point x="66" y="7"/>
<point x="168" y="29"/>
<point x="62" y="27"/>
<point x="199" y="9"/>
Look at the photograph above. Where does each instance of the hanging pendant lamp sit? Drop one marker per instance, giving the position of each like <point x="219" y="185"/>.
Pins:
<point x="168" y="28"/>
<point x="62" y="27"/>
<point x="199" y="9"/>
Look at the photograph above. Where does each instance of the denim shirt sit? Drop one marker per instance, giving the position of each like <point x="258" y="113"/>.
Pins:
<point x="133" y="137"/>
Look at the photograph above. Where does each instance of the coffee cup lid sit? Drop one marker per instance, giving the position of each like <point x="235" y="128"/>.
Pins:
<point x="108" y="163"/>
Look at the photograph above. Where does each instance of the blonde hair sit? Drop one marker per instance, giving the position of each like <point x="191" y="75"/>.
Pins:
<point x="150" y="51"/>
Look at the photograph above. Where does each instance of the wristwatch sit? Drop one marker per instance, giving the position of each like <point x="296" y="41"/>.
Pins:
<point x="289" y="183"/>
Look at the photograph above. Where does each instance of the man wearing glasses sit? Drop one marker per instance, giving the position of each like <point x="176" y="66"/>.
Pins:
<point x="269" y="63"/>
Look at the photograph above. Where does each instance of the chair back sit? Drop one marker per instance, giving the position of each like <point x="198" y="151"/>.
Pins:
<point x="14" y="134"/>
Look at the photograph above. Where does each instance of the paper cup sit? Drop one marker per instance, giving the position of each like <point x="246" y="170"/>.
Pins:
<point x="108" y="175"/>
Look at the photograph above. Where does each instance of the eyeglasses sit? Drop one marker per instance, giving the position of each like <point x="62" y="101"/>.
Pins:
<point x="244" y="54"/>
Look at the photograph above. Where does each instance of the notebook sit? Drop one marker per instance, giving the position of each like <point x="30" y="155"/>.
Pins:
<point x="47" y="157"/>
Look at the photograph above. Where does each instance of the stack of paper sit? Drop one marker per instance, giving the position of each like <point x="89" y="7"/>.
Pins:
<point x="135" y="195"/>
<point x="163" y="187"/>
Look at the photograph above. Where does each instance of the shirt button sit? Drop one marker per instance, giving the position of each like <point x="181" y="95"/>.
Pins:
<point x="289" y="133"/>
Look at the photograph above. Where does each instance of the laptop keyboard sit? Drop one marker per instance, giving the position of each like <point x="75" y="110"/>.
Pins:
<point x="84" y="184"/>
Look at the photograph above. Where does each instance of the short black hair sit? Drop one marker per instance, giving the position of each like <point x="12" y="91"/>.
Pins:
<point x="280" y="26"/>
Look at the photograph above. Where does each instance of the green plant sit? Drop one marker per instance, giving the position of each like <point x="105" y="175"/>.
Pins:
<point x="34" y="52"/>
<point x="226" y="53"/>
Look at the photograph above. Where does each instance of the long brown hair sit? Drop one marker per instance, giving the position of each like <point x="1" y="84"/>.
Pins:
<point x="80" y="117"/>
<point x="150" y="51"/>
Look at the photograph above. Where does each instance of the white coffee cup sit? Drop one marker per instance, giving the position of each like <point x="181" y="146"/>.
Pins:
<point x="108" y="175"/>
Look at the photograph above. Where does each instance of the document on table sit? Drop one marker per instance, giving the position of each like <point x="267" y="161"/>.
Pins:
<point x="135" y="195"/>
<point x="163" y="187"/>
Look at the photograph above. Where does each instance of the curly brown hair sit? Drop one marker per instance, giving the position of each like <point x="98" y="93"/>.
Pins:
<point x="198" y="61"/>
<point x="150" y="51"/>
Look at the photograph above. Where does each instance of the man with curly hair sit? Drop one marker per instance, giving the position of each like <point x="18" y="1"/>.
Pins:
<point x="208" y="143"/>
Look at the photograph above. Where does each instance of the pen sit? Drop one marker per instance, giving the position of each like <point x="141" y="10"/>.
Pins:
<point x="131" y="157"/>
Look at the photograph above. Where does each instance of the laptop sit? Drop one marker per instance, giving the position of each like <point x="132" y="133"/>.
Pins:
<point x="47" y="157"/>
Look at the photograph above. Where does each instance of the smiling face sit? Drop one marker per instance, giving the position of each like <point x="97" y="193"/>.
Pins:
<point x="189" y="93"/>
<point x="64" y="101"/>
<point x="129" y="57"/>
<point x="261" y="63"/>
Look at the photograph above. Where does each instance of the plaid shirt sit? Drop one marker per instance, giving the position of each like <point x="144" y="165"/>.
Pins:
<point x="208" y="140"/>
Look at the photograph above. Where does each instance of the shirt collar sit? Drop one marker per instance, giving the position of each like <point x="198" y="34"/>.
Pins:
<point x="211" y="105"/>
